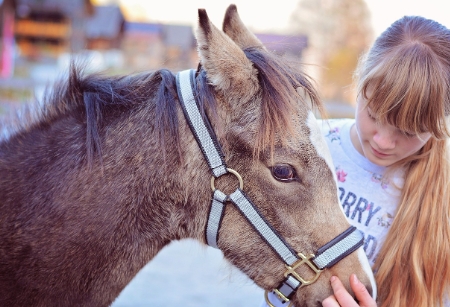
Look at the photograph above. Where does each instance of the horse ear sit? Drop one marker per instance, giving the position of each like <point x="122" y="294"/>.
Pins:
<point x="226" y="65"/>
<point x="237" y="31"/>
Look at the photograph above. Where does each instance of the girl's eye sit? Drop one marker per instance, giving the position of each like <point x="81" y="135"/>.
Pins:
<point x="370" y="115"/>
<point x="284" y="172"/>
<point x="409" y="134"/>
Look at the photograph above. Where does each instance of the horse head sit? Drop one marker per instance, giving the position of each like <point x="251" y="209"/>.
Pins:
<point x="265" y="124"/>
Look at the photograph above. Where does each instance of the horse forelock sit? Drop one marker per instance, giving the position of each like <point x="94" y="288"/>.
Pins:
<point x="279" y="80"/>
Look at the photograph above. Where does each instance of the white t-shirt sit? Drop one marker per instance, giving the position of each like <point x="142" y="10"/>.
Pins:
<point x="369" y="198"/>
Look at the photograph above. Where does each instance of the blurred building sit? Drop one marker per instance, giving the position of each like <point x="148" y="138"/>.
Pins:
<point x="291" y="46"/>
<point x="104" y="30"/>
<point x="45" y="28"/>
<point x="7" y="9"/>
<point x="149" y="46"/>
<point x="153" y="45"/>
<point x="142" y="45"/>
<point x="51" y="27"/>
<point x="40" y="38"/>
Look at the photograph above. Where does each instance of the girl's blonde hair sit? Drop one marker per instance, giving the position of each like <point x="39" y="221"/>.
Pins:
<point x="408" y="69"/>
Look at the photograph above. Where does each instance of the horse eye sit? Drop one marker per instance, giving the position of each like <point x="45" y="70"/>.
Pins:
<point x="283" y="172"/>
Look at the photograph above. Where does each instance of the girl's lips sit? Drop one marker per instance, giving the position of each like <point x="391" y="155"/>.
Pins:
<point x="379" y="154"/>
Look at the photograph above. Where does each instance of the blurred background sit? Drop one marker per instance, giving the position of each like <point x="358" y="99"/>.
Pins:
<point x="39" y="38"/>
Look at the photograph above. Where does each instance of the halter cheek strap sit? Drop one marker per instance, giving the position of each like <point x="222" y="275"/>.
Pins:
<point x="328" y="255"/>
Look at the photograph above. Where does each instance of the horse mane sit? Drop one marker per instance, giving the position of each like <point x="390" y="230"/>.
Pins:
<point x="97" y="99"/>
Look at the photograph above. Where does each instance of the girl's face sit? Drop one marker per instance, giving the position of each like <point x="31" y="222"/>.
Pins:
<point x="383" y="144"/>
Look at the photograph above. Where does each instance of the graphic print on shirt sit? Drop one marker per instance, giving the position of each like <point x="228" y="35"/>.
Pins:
<point x="381" y="180"/>
<point x="385" y="220"/>
<point x="341" y="174"/>
<point x="362" y="212"/>
<point x="369" y="217"/>
<point x="334" y="135"/>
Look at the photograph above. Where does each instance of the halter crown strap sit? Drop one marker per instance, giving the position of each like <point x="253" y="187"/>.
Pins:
<point x="328" y="255"/>
<point x="204" y="135"/>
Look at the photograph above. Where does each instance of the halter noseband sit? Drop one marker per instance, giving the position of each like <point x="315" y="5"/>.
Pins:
<point x="325" y="257"/>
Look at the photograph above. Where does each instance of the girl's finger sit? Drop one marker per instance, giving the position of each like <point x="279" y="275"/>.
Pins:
<point x="330" y="302"/>
<point x="341" y="294"/>
<point x="363" y="296"/>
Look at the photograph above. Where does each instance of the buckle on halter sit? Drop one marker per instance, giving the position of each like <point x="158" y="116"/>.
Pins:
<point x="303" y="260"/>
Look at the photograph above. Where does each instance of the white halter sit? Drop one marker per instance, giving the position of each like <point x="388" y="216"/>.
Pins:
<point x="328" y="255"/>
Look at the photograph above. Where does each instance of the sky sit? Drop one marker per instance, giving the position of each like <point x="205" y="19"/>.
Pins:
<point x="271" y="16"/>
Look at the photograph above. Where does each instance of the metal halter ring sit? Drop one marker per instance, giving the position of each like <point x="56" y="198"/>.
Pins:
<point x="232" y="171"/>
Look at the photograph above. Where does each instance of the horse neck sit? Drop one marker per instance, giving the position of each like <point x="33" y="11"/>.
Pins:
<point x="135" y="188"/>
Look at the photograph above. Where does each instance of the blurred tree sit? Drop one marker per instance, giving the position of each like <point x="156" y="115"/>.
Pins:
<point x="339" y="32"/>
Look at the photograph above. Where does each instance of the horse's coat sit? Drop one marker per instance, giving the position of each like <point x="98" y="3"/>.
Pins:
<point x="109" y="173"/>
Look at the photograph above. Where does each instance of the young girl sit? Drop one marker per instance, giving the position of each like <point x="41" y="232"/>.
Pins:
<point x="393" y="169"/>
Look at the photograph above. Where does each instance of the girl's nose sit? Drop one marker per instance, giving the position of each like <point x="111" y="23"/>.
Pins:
<point x="384" y="138"/>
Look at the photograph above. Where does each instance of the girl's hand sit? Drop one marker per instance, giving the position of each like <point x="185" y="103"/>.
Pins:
<point x="342" y="298"/>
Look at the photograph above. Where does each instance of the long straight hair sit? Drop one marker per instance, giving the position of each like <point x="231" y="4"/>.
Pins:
<point x="409" y="69"/>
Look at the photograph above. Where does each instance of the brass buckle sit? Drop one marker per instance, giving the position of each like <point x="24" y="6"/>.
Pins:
<point x="291" y="271"/>
<point x="303" y="260"/>
<point x="280" y="295"/>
